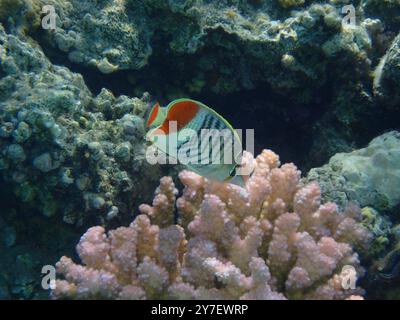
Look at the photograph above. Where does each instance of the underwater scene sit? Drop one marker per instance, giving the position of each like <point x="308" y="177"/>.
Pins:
<point x="200" y="149"/>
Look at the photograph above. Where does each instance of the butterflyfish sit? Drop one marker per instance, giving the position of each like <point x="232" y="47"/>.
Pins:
<point x="199" y="138"/>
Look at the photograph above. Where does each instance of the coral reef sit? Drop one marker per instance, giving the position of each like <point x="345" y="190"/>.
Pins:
<point x="22" y="13"/>
<point x="381" y="227"/>
<point x="65" y="156"/>
<point x="72" y="149"/>
<point x="370" y="176"/>
<point x="272" y="240"/>
<point x="283" y="52"/>
<point x="62" y="151"/>
<point x="386" y="10"/>
<point x="292" y="48"/>
<point x="387" y="76"/>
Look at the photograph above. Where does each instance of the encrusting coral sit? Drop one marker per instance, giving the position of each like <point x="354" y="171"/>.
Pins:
<point x="369" y="175"/>
<point x="64" y="151"/>
<point x="272" y="239"/>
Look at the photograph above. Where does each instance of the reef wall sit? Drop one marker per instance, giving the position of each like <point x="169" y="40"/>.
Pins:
<point x="73" y="102"/>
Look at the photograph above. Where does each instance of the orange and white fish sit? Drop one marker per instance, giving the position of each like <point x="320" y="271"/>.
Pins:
<point x="199" y="138"/>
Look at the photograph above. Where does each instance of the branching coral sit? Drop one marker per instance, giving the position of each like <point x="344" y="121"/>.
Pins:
<point x="272" y="240"/>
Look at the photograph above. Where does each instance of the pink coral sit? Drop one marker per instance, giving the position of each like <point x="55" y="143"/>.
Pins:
<point x="272" y="239"/>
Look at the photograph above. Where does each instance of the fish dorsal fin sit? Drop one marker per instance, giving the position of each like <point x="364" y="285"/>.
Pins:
<point x="182" y="111"/>
<point x="180" y="104"/>
<point x="157" y="116"/>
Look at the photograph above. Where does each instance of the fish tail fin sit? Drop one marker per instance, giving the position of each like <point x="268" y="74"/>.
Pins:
<point x="156" y="116"/>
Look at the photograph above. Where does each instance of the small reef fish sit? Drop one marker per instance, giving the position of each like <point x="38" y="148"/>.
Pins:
<point x="183" y="130"/>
